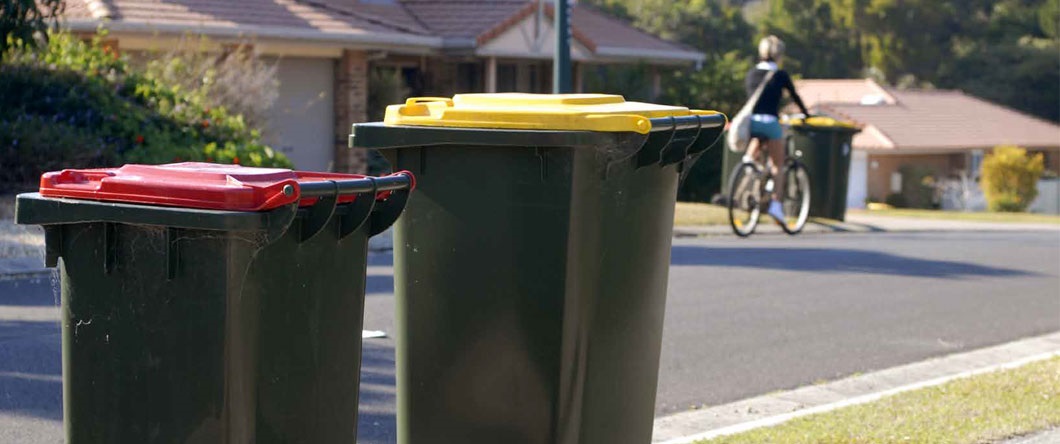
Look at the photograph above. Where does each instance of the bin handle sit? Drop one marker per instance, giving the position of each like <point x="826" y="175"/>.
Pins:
<point x="413" y="101"/>
<point x="387" y="211"/>
<point x="383" y="189"/>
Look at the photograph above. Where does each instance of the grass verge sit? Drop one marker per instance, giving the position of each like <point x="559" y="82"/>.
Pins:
<point x="978" y="409"/>
<point x="964" y="216"/>
<point x="688" y="213"/>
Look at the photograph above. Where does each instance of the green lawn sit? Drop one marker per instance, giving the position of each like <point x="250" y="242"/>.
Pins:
<point x="979" y="409"/>
<point x="964" y="216"/>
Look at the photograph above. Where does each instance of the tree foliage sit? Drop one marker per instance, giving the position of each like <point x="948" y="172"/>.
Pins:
<point x="1007" y="51"/>
<point x="1003" y="50"/>
<point x="26" y="20"/>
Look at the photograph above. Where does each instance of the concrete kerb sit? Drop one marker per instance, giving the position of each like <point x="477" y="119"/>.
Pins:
<point x="23" y="268"/>
<point x="861" y="223"/>
<point x="774" y="409"/>
<point x="767" y="226"/>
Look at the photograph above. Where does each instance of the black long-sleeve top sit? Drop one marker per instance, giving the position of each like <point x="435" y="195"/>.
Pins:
<point x="769" y="101"/>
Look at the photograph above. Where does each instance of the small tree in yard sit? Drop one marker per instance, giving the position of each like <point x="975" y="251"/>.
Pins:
<point x="1009" y="178"/>
<point x="22" y="21"/>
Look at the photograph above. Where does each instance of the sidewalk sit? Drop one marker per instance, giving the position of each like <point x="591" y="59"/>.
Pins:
<point x="22" y="250"/>
<point x="776" y="408"/>
<point x="867" y="223"/>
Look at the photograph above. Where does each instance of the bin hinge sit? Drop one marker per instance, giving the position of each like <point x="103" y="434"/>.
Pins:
<point x="110" y="247"/>
<point x="172" y="253"/>
<point x="53" y="245"/>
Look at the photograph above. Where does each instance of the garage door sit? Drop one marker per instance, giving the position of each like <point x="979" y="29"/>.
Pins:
<point x="302" y="119"/>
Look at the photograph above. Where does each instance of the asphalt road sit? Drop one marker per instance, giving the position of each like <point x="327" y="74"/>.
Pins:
<point x="744" y="317"/>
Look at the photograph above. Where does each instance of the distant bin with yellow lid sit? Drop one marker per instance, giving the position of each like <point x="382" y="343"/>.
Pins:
<point x="531" y="265"/>
<point x="824" y="144"/>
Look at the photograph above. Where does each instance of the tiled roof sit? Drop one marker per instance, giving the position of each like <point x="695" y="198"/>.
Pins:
<point x="466" y="23"/>
<point x="608" y="32"/>
<point x="856" y="91"/>
<point x="465" y="19"/>
<point x="943" y="120"/>
<point x="323" y="16"/>
<point x="390" y="14"/>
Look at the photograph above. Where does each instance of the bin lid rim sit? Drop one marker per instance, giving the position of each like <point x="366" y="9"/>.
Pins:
<point x="824" y="122"/>
<point x="523" y="111"/>
<point x="195" y="185"/>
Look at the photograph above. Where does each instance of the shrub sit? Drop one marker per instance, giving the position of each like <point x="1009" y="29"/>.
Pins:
<point x="918" y="188"/>
<point x="1009" y="178"/>
<point x="896" y="200"/>
<point x="80" y="104"/>
<point x="236" y="78"/>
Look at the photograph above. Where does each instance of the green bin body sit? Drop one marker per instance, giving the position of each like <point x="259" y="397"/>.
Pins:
<point x="185" y="325"/>
<point x="826" y="152"/>
<point x="530" y="276"/>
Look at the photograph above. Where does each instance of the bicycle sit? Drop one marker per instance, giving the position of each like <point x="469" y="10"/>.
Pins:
<point x="751" y="186"/>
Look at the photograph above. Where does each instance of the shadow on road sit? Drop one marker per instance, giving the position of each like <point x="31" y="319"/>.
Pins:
<point x="31" y="369"/>
<point x="379" y="284"/>
<point x="36" y="292"/>
<point x="376" y="423"/>
<point x="832" y="261"/>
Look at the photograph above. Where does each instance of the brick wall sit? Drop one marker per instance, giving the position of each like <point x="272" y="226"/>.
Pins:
<point x="351" y="106"/>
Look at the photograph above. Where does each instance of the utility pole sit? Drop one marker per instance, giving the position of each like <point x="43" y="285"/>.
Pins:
<point x="561" y="67"/>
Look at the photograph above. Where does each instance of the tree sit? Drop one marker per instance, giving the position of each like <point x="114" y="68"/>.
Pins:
<point x="820" y="36"/>
<point x="1006" y="51"/>
<point x="24" y="20"/>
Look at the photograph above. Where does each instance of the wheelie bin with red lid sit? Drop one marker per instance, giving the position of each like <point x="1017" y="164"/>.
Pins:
<point x="208" y="303"/>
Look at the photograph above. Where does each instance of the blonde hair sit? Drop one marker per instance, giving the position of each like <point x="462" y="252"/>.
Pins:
<point x="770" y="48"/>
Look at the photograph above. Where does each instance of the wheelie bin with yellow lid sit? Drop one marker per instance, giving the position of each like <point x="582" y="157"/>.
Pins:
<point x="531" y="264"/>
<point x="825" y="146"/>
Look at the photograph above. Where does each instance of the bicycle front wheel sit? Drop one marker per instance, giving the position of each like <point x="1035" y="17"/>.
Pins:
<point x="795" y="198"/>
<point x="745" y="199"/>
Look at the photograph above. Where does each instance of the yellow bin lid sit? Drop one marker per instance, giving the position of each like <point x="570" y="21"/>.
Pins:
<point x="821" y="121"/>
<point x="571" y="112"/>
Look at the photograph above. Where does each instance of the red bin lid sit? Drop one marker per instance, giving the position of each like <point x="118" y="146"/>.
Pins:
<point x="189" y="185"/>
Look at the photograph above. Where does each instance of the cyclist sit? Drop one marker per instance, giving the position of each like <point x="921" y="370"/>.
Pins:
<point x="765" y="123"/>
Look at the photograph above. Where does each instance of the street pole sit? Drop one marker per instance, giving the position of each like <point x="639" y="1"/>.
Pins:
<point x="561" y="68"/>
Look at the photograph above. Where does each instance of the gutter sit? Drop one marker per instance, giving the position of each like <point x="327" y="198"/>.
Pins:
<point x="285" y="33"/>
<point x="647" y="54"/>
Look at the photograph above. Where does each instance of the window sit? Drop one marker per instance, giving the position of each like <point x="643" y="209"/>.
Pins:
<point x="468" y="78"/>
<point x="975" y="163"/>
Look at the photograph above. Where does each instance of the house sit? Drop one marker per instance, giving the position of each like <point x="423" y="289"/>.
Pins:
<point x="945" y="131"/>
<point x="326" y="50"/>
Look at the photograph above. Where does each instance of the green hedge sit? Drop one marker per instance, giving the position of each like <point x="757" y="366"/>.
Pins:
<point x="75" y="104"/>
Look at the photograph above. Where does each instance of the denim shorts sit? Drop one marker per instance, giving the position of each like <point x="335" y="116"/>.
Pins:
<point x="766" y="126"/>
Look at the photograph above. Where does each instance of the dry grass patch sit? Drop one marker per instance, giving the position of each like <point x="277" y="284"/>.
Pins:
<point x="693" y="214"/>
<point x="979" y="409"/>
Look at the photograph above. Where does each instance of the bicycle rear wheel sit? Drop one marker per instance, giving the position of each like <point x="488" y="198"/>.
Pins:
<point x="796" y="197"/>
<point x="745" y="199"/>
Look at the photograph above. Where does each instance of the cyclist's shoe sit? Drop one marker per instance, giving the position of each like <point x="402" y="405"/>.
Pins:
<point x="776" y="210"/>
